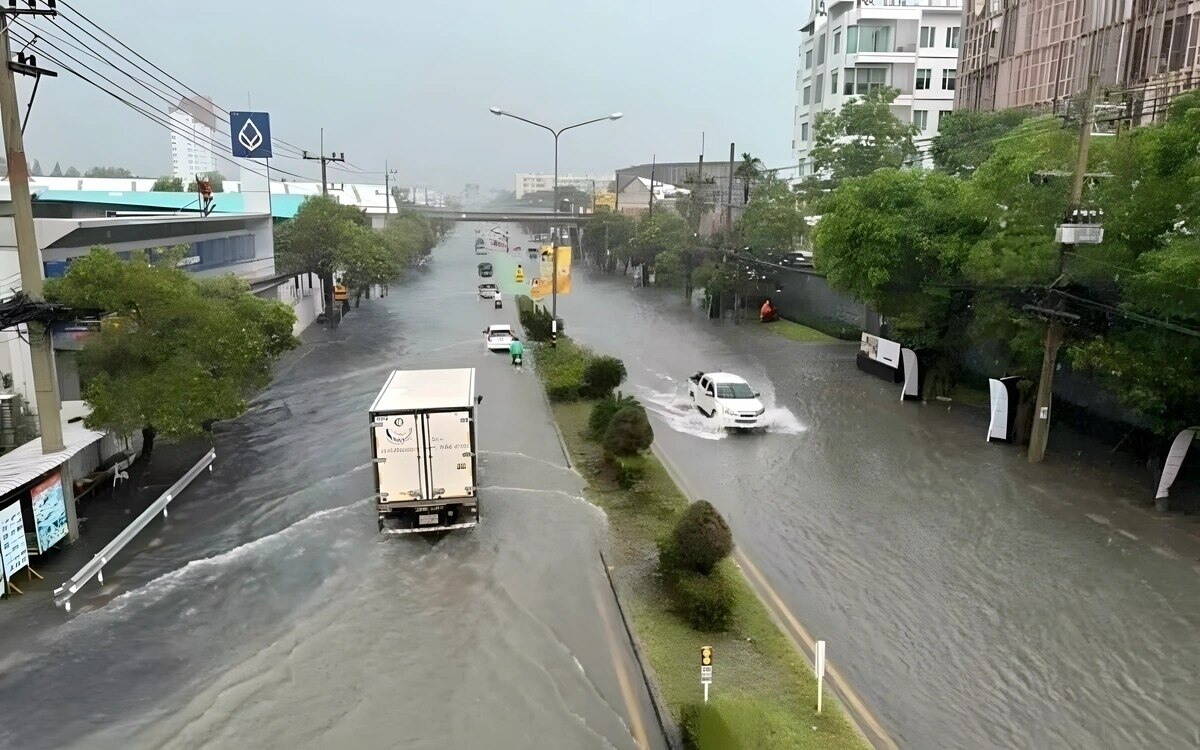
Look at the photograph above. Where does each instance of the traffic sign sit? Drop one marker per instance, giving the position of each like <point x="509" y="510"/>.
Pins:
<point x="250" y="133"/>
<point x="706" y="675"/>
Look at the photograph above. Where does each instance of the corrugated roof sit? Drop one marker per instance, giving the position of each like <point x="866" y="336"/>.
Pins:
<point x="282" y="206"/>
<point x="26" y="463"/>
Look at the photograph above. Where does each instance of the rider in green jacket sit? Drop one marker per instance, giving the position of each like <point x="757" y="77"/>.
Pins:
<point x="515" y="350"/>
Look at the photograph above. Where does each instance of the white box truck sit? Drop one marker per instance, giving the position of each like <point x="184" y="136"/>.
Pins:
<point x="423" y="441"/>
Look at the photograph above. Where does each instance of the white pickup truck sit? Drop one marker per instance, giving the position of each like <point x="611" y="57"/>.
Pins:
<point x="727" y="399"/>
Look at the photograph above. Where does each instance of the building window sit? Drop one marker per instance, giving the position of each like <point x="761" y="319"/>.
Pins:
<point x="952" y="37"/>
<point x="837" y="42"/>
<point x="833" y="78"/>
<point x="820" y="82"/>
<point x="942" y="115"/>
<point x="808" y="60"/>
<point x="948" y="79"/>
<point x="859" y="81"/>
<point x="923" y="78"/>
<point x="874" y="38"/>
<point x="821" y="50"/>
<point x="804" y="132"/>
<point x="921" y="119"/>
<point x="807" y="95"/>
<point x="851" y="40"/>
<point x="927" y="36"/>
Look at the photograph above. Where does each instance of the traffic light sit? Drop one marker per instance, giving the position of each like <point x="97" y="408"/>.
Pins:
<point x="706" y="656"/>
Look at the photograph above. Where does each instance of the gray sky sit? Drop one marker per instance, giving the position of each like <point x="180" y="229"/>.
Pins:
<point x="412" y="82"/>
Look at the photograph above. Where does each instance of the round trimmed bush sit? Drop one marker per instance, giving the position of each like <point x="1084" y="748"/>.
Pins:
<point x="705" y="602"/>
<point x="603" y="412"/>
<point x="702" y="538"/>
<point x="602" y="376"/>
<point x="629" y="432"/>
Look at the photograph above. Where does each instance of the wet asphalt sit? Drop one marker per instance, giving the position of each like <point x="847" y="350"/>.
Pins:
<point x="268" y="612"/>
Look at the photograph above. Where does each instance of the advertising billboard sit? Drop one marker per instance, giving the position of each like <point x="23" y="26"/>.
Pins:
<point x="49" y="511"/>
<point x="14" y="555"/>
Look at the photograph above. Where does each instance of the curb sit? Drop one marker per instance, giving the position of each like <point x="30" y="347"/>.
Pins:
<point x="665" y="722"/>
<point x="875" y="739"/>
<point x="562" y="441"/>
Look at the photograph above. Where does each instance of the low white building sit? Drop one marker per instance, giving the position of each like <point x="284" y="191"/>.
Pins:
<point x="848" y="48"/>
<point x="529" y="182"/>
<point x="634" y="198"/>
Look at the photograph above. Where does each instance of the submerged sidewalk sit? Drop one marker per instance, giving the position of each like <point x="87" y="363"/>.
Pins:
<point x="102" y="515"/>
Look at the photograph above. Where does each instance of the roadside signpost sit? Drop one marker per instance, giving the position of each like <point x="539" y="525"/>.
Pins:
<point x="706" y="660"/>
<point x="820" y="668"/>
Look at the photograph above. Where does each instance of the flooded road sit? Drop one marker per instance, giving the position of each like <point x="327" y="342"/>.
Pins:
<point x="269" y="613"/>
<point x="973" y="600"/>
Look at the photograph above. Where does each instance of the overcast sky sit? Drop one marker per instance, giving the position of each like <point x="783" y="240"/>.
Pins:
<point x="411" y="82"/>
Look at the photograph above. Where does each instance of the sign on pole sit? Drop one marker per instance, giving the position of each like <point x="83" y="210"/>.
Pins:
<point x="706" y="661"/>
<point x="250" y="133"/>
<point x="820" y="668"/>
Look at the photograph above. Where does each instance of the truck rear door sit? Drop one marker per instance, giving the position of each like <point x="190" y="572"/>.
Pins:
<point x="400" y="442"/>
<point x="450" y="454"/>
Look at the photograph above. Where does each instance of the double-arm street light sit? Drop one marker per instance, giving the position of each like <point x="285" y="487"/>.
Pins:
<point x="556" y="133"/>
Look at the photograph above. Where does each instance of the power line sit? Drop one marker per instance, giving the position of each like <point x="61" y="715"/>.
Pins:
<point x="296" y="149"/>
<point x="153" y="115"/>
<point x="1164" y="324"/>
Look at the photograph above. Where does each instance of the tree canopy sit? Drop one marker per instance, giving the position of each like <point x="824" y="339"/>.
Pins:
<point x="775" y="218"/>
<point x="107" y="172"/>
<point x="168" y="185"/>
<point x="176" y="351"/>
<point x="862" y="136"/>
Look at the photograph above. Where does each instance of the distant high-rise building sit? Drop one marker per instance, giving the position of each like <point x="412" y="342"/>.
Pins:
<point x="193" y="133"/>
<point x="1039" y="53"/>
<point x="535" y="183"/>
<point x="849" y="47"/>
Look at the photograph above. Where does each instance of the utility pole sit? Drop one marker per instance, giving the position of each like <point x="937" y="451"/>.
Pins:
<point x="29" y="257"/>
<point x="325" y="160"/>
<point x="1039" y="436"/>
<point x="653" y="167"/>
<point x="387" y="191"/>
<point x="729" y="200"/>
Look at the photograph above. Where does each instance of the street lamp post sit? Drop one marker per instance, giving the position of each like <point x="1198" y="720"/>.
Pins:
<point x="556" y="133"/>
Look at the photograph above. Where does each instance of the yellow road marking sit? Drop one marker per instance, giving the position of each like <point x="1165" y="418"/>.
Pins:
<point x="861" y="712"/>
<point x="631" y="703"/>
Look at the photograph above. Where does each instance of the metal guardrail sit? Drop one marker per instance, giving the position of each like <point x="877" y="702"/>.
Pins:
<point x="95" y="567"/>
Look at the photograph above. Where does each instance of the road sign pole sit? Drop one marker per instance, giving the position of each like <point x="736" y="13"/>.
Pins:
<point x="706" y="692"/>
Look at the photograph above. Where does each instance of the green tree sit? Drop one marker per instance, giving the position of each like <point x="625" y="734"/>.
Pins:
<point x="178" y="351"/>
<point x="366" y="258"/>
<point x="862" y="136"/>
<point x="658" y="233"/>
<point x="168" y="185"/>
<point x="57" y="171"/>
<point x="749" y="170"/>
<point x="71" y="172"/>
<point x="112" y="172"/>
<point x="36" y="169"/>
<point x="314" y="240"/>
<point x="775" y="219"/>
<point x="966" y="139"/>
<point x="611" y="232"/>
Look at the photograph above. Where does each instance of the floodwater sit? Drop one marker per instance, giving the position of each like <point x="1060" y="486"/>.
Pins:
<point x="973" y="600"/>
<point x="268" y="612"/>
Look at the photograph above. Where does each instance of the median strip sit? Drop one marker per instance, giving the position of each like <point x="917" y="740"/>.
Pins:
<point x="763" y="691"/>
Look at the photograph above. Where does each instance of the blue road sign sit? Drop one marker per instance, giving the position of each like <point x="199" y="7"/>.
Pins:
<point x="251" y="134"/>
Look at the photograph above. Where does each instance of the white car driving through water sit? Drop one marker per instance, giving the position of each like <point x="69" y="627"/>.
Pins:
<point x="498" y="337"/>
<point x="728" y="399"/>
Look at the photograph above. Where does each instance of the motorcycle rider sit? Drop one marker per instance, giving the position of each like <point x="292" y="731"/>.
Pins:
<point x="515" y="350"/>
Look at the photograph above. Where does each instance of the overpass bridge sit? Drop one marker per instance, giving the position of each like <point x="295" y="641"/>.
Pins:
<point x="496" y="217"/>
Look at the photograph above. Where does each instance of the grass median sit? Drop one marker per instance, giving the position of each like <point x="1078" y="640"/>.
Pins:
<point x="764" y="691"/>
<point x="798" y="332"/>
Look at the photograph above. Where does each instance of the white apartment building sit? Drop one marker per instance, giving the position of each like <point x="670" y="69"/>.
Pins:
<point x="849" y="47"/>
<point x="193" y="132"/>
<point x="533" y="183"/>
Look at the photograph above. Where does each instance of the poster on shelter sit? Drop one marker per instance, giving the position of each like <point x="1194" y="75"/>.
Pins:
<point x="49" y="511"/>
<point x="14" y="555"/>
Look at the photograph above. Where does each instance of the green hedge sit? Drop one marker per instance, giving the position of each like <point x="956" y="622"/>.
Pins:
<point x="534" y="319"/>
<point x="561" y="368"/>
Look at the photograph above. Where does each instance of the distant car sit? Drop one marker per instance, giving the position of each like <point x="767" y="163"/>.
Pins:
<point x="487" y="291"/>
<point x="498" y="337"/>
<point x="728" y="399"/>
<point x="485" y="270"/>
